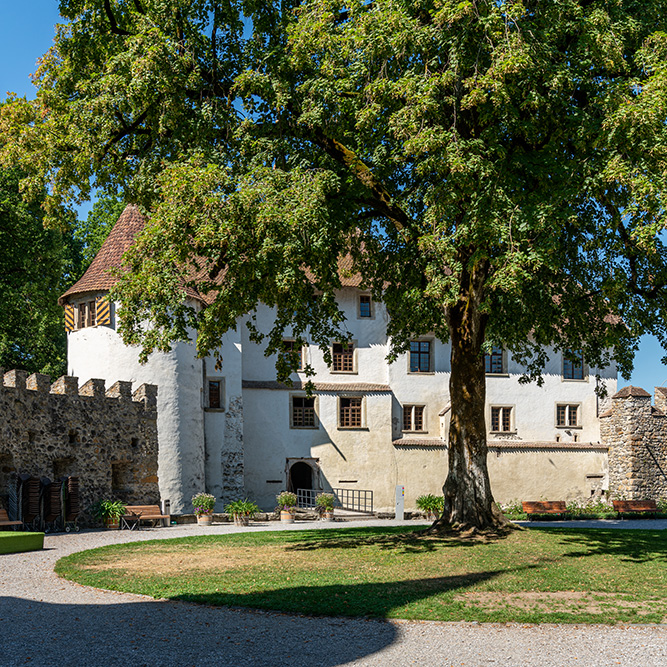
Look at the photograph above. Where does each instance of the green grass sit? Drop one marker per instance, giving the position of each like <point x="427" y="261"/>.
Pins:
<point x="532" y="576"/>
<point x="14" y="541"/>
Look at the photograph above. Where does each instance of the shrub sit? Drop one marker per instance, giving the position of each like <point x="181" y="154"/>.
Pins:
<point x="203" y="503"/>
<point x="431" y="504"/>
<point x="242" y="508"/>
<point x="108" y="509"/>
<point x="325" y="502"/>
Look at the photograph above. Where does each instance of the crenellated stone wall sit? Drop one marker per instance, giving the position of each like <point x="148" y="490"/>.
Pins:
<point x="636" y="435"/>
<point x="108" y="438"/>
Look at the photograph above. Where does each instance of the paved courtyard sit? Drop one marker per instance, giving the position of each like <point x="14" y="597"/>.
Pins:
<point x="48" y="621"/>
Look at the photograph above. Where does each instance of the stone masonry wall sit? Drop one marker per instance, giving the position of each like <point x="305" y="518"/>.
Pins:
<point x="106" y="438"/>
<point x="636" y="435"/>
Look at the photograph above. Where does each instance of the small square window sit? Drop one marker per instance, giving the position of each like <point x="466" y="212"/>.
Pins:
<point x="350" y="412"/>
<point x="303" y="412"/>
<point x="365" y="306"/>
<point x="420" y="356"/>
<point x="343" y="357"/>
<point x="567" y="415"/>
<point x="501" y="419"/>
<point x="413" y="418"/>
<point x="573" y="365"/>
<point x="494" y="361"/>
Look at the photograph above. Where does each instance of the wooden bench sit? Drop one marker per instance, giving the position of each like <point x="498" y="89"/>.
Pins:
<point x="4" y="520"/>
<point x="135" y="514"/>
<point x="545" y="507"/>
<point x="635" y="506"/>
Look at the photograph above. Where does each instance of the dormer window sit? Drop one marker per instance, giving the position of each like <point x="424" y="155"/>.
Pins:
<point x="89" y="313"/>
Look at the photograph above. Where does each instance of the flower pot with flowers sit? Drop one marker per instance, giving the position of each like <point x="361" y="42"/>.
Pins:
<point x="242" y="511"/>
<point x="324" y="504"/>
<point x="286" y="506"/>
<point x="203" y="504"/>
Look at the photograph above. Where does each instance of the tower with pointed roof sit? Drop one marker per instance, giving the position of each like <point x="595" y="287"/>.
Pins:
<point x="200" y="444"/>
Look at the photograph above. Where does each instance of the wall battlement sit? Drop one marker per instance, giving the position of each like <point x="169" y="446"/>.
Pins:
<point x="67" y="385"/>
<point x="636" y="434"/>
<point x="106" y="437"/>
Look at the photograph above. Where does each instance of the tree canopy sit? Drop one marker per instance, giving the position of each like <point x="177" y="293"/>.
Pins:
<point x="496" y="171"/>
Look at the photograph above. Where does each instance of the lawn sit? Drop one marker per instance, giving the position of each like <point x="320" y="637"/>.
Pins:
<point x="545" y="575"/>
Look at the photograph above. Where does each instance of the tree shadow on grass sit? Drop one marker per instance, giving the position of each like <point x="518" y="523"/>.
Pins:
<point x="413" y="541"/>
<point x="370" y="599"/>
<point x="636" y="546"/>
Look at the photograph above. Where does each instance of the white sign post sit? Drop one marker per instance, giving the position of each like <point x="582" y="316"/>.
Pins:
<point x="400" y="502"/>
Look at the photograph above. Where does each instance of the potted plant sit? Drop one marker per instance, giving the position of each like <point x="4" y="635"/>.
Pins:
<point x="432" y="505"/>
<point x="109" y="512"/>
<point x="286" y="506"/>
<point x="324" y="504"/>
<point x="203" y="504"/>
<point x="242" y="511"/>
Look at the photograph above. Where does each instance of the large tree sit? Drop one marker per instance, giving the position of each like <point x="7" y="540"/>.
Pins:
<point x="495" y="169"/>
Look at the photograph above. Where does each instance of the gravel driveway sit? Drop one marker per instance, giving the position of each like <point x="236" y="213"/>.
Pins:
<point x="48" y="621"/>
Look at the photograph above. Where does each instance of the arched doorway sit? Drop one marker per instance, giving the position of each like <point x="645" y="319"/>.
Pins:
<point x="300" y="476"/>
<point x="303" y="473"/>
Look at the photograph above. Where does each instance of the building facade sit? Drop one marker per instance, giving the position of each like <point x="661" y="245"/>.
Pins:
<point x="369" y="425"/>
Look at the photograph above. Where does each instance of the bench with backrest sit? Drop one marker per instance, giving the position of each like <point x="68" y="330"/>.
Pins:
<point x="544" y="507"/>
<point x="135" y="514"/>
<point x="6" y="521"/>
<point x="635" y="506"/>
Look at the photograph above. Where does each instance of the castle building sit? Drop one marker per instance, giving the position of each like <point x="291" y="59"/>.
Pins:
<point x="369" y="426"/>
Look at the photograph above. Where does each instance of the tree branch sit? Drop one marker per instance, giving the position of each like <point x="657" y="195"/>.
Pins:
<point x="112" y="21"/>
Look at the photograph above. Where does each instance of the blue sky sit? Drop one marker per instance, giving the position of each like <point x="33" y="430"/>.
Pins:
<point x="26" y="32"/>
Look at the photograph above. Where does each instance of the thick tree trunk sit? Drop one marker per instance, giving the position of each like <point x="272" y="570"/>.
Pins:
<point x="468" y="499"/>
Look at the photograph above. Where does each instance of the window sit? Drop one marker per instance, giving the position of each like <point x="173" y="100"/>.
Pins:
<point x="215" y="399"/>
<point x="413" y="418"/>
<point x="303" y="412"/>
<point x="494" y="361"/>
<point x="343" y="357"/>
<point x="85" y="315"/>
<point x="501" y="419"/>
<point x="420" y="356"/>
<point x="567" y="415"/>
<point x="573" y="365"/>
<point x="350" y="412"/>
<point x="365" y="306"/>
<point x="290" y="348"/>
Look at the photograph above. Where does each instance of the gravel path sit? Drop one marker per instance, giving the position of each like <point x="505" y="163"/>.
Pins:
<point x="49" y="621"/>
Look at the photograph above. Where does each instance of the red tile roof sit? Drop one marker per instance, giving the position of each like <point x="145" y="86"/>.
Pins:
<point x="99" y="278"/>
<point x="636" y="392"/>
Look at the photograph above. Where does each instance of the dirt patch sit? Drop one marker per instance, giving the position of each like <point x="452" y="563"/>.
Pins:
<point x="557" y="601"/>
<point x="185" y="560"/>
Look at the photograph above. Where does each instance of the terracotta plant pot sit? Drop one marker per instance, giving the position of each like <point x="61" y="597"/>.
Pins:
<point x="286" y="517"/>
<point x="328" y="516"/>
<point x="205" y="519"/>
<point x="241" y="519"/>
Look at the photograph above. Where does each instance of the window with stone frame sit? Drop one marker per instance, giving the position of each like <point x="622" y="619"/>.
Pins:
<point x="342" y="356"/>
<point x="494" y="361"/>
<point x="350" y="412"/>
<point x="501" y="418"/>
<point x="291" y="348"/>
<point x="573" y="365"/>
<point x="303" y="412"/>
<point x="567" y="415"/>
<point x="215" y="397"/>
<point x="413" y="418"/>
<point x="365" y="306"/>
<point x="420" y="356"/>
